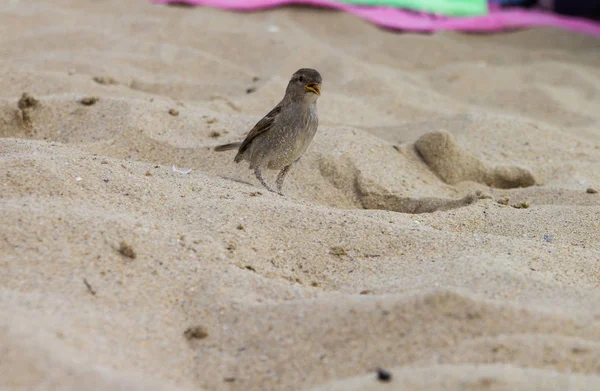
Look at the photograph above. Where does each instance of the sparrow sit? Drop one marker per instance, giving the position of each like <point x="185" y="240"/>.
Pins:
<point x="279" y="139"/>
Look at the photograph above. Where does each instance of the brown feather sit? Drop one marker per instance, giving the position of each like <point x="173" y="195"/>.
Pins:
<point x="261" y="126"/>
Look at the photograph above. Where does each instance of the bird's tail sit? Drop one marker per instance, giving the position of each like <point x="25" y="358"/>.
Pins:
<point x="227" y="147"/>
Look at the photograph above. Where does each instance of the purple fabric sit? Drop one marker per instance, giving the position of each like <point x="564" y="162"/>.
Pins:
<point x="497" y="20"/>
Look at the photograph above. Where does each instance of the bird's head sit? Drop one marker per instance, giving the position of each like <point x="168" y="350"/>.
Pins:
<point x="305" y="86"/>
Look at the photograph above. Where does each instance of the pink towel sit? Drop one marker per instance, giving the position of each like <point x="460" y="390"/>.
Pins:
<point x="497" y="20"/>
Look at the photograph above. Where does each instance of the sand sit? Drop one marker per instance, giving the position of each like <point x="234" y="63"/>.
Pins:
<point x="439" y="227"/>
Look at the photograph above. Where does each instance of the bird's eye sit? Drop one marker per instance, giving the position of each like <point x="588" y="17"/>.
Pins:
<point x="301" y="79"/>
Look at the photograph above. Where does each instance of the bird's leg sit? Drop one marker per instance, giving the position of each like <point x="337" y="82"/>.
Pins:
<point x="281" y="177"/>
<point x="258" y="174"/>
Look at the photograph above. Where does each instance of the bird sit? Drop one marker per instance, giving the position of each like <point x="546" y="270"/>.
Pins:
<point x="282" y="136"/>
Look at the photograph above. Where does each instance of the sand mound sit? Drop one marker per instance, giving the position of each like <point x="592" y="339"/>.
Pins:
<point x="463" y="258"/>
<point x="453" y="164"/>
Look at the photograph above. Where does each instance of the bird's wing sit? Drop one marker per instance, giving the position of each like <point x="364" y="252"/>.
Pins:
<point x="261" y="126"/>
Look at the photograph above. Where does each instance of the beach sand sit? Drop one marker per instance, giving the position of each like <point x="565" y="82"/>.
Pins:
<point x="440" y="225"/>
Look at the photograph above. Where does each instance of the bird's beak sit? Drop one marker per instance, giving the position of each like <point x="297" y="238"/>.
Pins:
<point x="313" y="87"/>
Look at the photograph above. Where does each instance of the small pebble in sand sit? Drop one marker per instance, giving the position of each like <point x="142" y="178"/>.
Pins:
<point x="591" y="190"/>
<point x="105" y="80"/>
<point x="196" y="332"/>
<point x="27" y="101"/>
<point x="240" y="227"/>
<point x="548" y="238"/>
<point x="522" y="205"/>
<point x="215" y="134"/>
<point x="338" y="251"/>
<point x="148" y="173"/>
<point x="504" y="201"/>
<point x="174" y="112"/>
<point x="251" y="268"/>
<point x="229" y="379"/>
<point x="250" y="90"/>
<point x="26" y="105"/>
<point x="89" y="100"/>
<point x="127" y="250"/>
<point x="383" y="375"/>
<point x="255" y="79"/>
